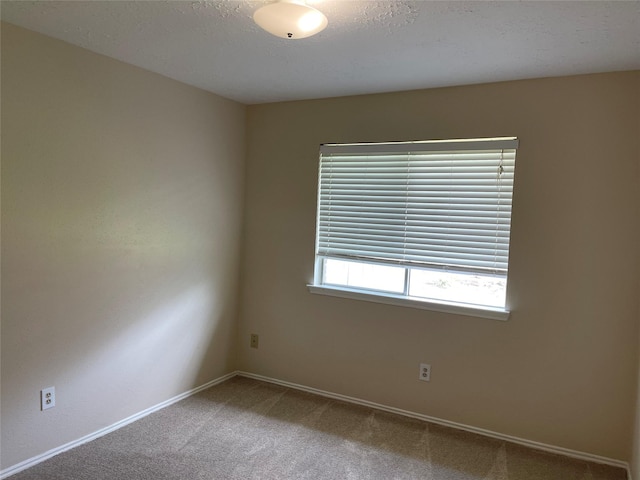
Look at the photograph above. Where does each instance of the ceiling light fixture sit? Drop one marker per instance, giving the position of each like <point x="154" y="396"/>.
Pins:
<point x="290" y="19"/>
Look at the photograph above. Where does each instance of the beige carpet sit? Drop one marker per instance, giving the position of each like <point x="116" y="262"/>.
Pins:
<point x="244" y="429"/>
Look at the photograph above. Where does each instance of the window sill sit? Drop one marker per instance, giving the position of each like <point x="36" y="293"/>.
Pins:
<point x="391" y="299"/>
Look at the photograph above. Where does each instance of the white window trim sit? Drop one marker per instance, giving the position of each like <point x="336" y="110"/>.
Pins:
<point x="438" y="305"/>
<point x="402" y="301"/>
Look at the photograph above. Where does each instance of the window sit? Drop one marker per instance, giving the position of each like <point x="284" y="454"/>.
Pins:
<point x="425" y="224"/>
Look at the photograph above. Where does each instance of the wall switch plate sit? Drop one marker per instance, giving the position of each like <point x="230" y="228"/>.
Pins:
<point x="47" y="398"/>
<point x="425" y="372"/>
<point x="254" y="341"/>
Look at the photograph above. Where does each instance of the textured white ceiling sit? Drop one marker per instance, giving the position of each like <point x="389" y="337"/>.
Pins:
<point x="368" y="47"/>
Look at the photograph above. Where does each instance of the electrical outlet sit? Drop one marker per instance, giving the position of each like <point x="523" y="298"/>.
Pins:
<point x="254" y="341"/>
<point x="47" y="398"/>
<point x="425" y="372"/>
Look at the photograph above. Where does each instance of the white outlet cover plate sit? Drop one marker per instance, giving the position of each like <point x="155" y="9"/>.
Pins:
<point x="425" y="372"/>
<point x="47" y="398"/>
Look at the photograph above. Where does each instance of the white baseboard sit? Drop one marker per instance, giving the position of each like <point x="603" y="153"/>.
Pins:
<point x="7" y="472"/>
<point x="508" y="438"/>
<point x="487" y="433"/>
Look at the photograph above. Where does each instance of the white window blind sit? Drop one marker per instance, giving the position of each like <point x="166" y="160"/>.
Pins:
<point x="437" y="204"/>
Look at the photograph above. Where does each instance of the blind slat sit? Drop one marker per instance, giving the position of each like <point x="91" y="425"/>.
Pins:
<point x="428" y="203"/>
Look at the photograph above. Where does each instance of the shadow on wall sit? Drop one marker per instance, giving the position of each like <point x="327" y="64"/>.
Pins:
<point x="111" y="352"/>
<point x="169" y="345"/>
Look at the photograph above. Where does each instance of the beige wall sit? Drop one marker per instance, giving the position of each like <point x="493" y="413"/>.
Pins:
<point x="121" y="195"/>
<point x="635" y="456"/>
<point x="563" y="369"/>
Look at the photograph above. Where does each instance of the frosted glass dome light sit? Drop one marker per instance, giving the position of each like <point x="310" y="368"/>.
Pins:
<point x="290" y="19"/>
